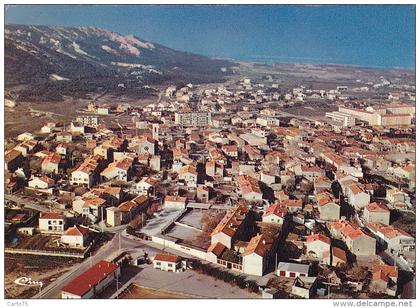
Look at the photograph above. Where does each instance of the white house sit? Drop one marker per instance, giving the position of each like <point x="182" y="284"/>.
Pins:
<point x="118" y="170"/>
<point x="357" y="197"/>
<point x="166" y="262"/>
<point x="52" y="222"/>
<point x="64" y="137"/>
<point x="189" y="175"/>
<point x="76" y="237"/>
<point x="318" y="246"/>
<point x="175" y="202"/>
<point x="267" y="177"/>
<point x="41" y="182"/>
<point x="62" y="149"/>
<point x="292" y="270"/>
<point x="328" y="207"/>
<point x="377" y="212"/>
<point x="256" y="255"/>
<point x="146" y="186"/>
<point x="275" y="214"/>
<point x="51" y="163"/>
<point x="394" y="238"/>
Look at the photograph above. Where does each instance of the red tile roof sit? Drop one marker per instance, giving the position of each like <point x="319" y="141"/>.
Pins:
<point x="384" y="270"/>
<point x="90" y="278"/>
<point x="259" y="245"/>
<point x="51" y="215"/>
<point x="164" y="257"/>
<point x="339" y="253"/>
<point x="77" y="231"/>
<point x="217" y="249"/>
<point x="318" y="237"/>
<point x="276" y="209"/>
<point x="377" y="207"/>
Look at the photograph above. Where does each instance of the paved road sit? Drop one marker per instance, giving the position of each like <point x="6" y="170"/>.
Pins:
<point x="110" y="248"/>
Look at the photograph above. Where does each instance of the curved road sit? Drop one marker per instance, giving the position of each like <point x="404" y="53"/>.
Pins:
<point x="53" y="289"/>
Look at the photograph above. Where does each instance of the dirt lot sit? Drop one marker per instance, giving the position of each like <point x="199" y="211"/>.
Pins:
<point x="137" y="291"/>
<point x="38" y="268"/>
<point x="31" y="117"/>
<point x="41" y="242"/>
<point x="314" y="110"/>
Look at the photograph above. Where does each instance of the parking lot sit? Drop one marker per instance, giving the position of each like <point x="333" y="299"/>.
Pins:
<point x="189" y="282"/>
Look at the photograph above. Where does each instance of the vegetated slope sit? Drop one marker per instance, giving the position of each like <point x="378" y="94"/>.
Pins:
<point x="54" y="61"/>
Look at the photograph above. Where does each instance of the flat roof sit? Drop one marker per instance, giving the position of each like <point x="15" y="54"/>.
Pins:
<point x="293" y="267"/>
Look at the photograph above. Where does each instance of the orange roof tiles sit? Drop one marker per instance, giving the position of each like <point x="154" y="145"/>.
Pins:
<point x="277" y="210"/>
<point x="384" y="271"/>
<point x="164" y="257"/>
<point x="339" y="253"/>
<point x="175" y="199"/>
<point x="318" y="237"/>
<point x="216" y="248"/>
<point x="231" y="221"/>
<point x="51" y="215"/>
<point x="377" y="207"/>
<point x="52" y="158"/>
<point x="259" y="245"/>
<point x="76" y="231"/>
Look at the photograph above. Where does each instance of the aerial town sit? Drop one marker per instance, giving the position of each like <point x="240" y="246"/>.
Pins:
<point x="218" y="191"/>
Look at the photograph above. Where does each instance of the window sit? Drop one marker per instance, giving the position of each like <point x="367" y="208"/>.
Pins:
<point x="158" y="263"/>
<point x="170" y="264"/>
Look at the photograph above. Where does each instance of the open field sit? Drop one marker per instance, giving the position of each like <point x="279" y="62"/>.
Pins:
<point x="30" y="117"/>
<point x="38" y="268"/>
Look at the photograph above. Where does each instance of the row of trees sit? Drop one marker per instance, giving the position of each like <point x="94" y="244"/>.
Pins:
<point x="217" y="273"/>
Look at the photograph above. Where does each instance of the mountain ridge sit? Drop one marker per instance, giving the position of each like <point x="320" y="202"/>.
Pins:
<point x="62" y="58"/>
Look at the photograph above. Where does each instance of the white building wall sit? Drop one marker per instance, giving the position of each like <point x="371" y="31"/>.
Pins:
<point x="222" y="238"/>
<point x="253" y="264"/>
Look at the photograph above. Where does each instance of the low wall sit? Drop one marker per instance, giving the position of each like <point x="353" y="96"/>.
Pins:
<point x="181" y="248"/>
<point x="169" y="224"/>
<point x="45" y="253"/>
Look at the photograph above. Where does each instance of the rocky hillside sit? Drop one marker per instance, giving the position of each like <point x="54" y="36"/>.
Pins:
<point x="46" y="62"/>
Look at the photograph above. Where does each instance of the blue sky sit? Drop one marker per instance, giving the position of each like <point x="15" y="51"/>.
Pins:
<point x="374" y="35"/>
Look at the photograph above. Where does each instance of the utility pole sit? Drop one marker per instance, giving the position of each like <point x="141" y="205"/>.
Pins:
<point x="102" y="220"/>
<point x="90" y="259"/>
<point x="276" y="262"/>
<point x="117" y="285"/>
<point x="119" y="242"/>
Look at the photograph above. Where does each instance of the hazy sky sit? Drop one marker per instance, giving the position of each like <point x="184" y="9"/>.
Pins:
<point x="374" y="35"/>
